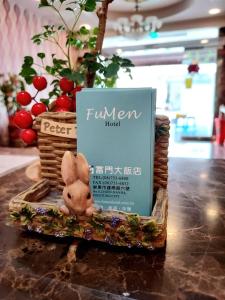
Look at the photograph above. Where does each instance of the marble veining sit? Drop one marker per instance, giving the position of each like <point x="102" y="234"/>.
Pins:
<point x="192" y="266"/>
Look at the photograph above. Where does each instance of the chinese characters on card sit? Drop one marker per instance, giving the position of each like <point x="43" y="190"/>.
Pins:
<point x="116" y="134"/>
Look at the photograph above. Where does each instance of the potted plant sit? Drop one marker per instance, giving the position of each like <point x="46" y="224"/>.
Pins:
<point x="69" y="75"/>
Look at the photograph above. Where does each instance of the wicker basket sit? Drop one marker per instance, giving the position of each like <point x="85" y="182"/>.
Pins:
<point x="37" y="208"/>
<point x="53" y="147"/>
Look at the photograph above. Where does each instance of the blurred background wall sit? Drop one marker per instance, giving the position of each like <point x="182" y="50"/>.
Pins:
<point x="17" y="26"/>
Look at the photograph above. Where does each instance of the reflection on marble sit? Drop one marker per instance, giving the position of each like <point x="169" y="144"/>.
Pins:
<point x="189" y="149"/>
<point x="192" y="266"/>
<point x="12" y="159"/>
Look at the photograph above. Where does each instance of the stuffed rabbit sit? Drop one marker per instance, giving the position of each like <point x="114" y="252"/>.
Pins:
<point x="76" y="194"/>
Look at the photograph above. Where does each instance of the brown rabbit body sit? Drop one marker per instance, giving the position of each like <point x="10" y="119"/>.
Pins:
<point x="76" y="194"/>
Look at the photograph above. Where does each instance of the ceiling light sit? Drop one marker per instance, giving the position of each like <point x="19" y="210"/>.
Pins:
<point x="214" y="11"/>
<point x="205" y="41"/>
<point x="137" y="25"/>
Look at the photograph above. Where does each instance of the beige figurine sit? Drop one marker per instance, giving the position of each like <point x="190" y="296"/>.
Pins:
<point x="76" y="194"/>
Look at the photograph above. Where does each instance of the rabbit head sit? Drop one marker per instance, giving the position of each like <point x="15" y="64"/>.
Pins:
<point x="76" y="194"/>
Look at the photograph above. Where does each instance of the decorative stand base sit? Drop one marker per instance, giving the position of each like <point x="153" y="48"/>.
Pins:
<point x="37" y="209"/>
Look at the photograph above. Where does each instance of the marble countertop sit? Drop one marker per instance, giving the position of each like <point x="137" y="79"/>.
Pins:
<point x="192" y="266"/>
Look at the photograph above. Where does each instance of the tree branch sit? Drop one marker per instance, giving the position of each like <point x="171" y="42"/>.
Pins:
<point x="102" y="17"/>
<point x="102" y="13"/>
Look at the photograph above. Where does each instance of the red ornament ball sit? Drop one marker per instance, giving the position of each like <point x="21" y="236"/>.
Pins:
<point x="23" y="119"/>
<point x="66" y="85"/>
<point x="39" y="82"/>
<point x="23" y="98"/>
<point x="64" y="102"/>
<point x="28" y="136"/>
<point x="38" y="108"/>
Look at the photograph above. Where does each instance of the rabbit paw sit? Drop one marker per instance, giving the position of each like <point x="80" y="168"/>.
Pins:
<point x="64" y="210"/>
<point x="89" y="211"/>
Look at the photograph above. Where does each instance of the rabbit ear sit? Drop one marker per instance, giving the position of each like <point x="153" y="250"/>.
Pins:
<point x="69" y="168"/>
<point x="82" y="168"/>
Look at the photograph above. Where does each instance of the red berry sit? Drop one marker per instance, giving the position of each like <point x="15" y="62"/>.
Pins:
<point x="64" y="102"/>
<point x="39" y="82"/>
<point x="78" y="88"/>
<point x="23" y="98"/>
<point x="38" y="108"/>
<point x="23" y="119"/>
<point x="28" y="136"/>
<point x="66" y="85"/>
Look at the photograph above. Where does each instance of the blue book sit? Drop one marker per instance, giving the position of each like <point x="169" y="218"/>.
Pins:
<point x="116" y="133"/>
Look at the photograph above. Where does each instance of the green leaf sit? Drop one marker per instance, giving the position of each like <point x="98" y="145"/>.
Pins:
<point x="37" y="41"/>
<point x="46" y="27"/>
<point x="50" y="70"/>
<point x="27" y="72"/>
<point x="92" y="42"/>
<point x="45" y="101"/>
<point x="28" y="60"/>
<point x="43" y="3"/>
<point x="110" y="82"/>
<point x="75" y="42"/>
<point x="95" y="66"/>
<point x="84" y="30"/>
<point x="54" y="81"/>
<point x="65" y="72"/>
<point x="89" y="56"/>
<point x="111" y="70"/>
<point x="77" y="77"/>
<point x="41" y="55"/>
<point x="35" y="37"/>
<point x="90" y="5"/>
<point x="79" y="44"/>
<point x="96" y="31"/>
<point x="54" y="93"/>
<point x="57" y="61"/>
<point x="126" y="63"/>
<point x="61" y="27"/>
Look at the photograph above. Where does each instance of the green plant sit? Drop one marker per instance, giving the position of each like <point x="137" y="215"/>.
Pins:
<point x="90" y="69"/>
<point x="134" y="221"/>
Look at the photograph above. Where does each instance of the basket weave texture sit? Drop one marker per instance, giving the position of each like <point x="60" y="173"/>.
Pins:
<point x="52" y="148"/>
